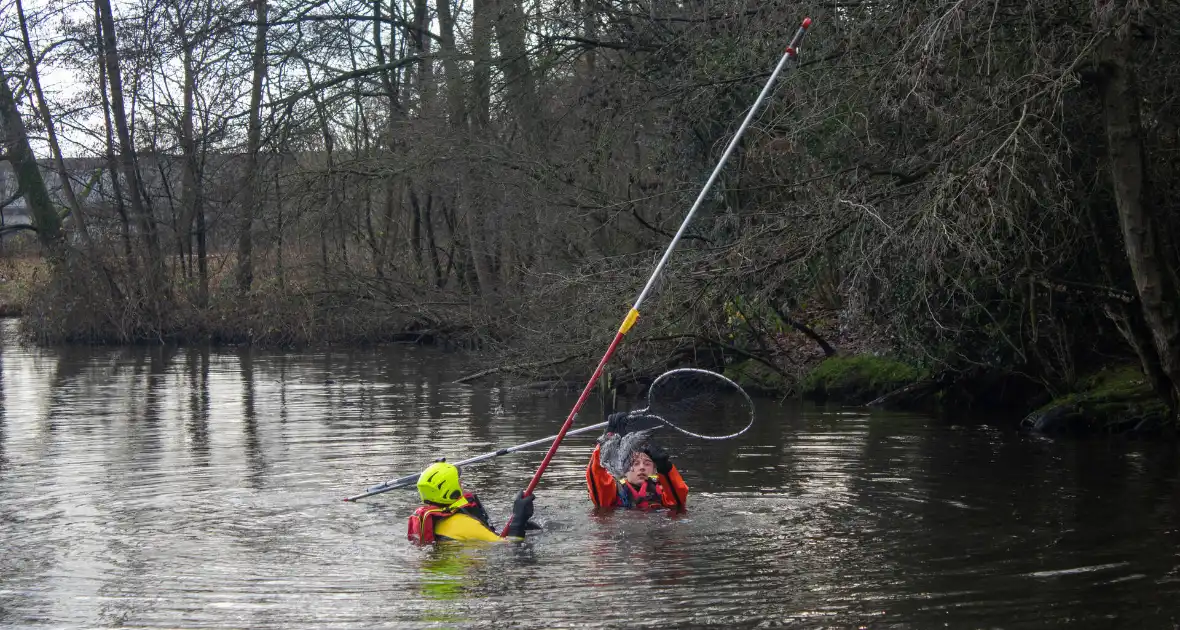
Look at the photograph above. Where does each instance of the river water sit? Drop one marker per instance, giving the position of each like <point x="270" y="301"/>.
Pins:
<point x="195" y="489"/>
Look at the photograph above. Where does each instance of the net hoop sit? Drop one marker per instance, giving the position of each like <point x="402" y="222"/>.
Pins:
<point x="711" y="374"/>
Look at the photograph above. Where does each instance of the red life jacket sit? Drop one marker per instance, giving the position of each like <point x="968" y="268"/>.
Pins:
<point x="421" y="524"/>
<point x="646" y="497"/>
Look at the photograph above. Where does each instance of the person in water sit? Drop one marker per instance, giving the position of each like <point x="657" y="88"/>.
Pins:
<point x="449" y="513"/>
<point x="652" y="481"/>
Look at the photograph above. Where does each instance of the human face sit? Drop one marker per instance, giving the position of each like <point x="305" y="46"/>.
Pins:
<point x="641" y="468"/>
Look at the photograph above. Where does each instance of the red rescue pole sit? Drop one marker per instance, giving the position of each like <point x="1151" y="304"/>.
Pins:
<point x="632" y="315"/>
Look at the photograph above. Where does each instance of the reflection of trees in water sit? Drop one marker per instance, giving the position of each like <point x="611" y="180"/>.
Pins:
<point x="3" y="410"/>
<point x="423" y="406"/>
<point x="255" y="461"/>
<point x="449" y="573"/>
<point x="458" y="579"/>
<point x="975" y="518"/>
<point x="758" y="460"/>
<point x="38" y="554"/>
<point x="1162" y="472"/>
<point x="149" y="384"/>
<point x="103" y="445"/>
<point x="1118" y="511"/>
<point x="197" y="423"/>
<point x="67" y="369"/>
<point x="281" y="362"/>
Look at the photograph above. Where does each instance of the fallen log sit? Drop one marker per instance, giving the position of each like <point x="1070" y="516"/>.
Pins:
<point x="517" y="368"/>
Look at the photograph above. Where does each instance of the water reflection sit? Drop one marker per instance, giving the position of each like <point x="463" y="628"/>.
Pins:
<point x="156" y="487"/>
<point x="254" y="457"/>
<point x="3" y="416"/>
<point x="197" y="423"/>
<point x="449" y="573"/>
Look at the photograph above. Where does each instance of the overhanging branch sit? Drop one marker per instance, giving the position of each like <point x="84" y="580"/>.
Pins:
<point x="290" y="101"/>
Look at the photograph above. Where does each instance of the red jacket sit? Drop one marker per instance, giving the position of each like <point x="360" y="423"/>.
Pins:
<point x="605" y="490"/>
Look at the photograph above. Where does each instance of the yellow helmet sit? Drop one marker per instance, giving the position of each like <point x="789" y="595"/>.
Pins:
<point x="439" y="484"/>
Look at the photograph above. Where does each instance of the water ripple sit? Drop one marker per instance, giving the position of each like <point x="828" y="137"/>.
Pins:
<point x="153" y="488"/>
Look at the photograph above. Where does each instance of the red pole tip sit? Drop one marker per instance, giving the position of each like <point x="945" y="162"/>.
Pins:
<point x="806" y="22"/>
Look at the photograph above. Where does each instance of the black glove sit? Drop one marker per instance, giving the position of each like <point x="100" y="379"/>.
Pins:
<point x="617" y="423"/>
<point x="522" y="511"/>
<point x="659" y="457"/>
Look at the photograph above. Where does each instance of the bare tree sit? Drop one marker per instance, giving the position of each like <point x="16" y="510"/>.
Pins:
<point x="245" y="269"/>
<point x="1151" y="248"/>
<point x="973" y="186"/>
<point x="130" y="170"/>
<point x="28" y="175"/>
<point x="51" y="134"/>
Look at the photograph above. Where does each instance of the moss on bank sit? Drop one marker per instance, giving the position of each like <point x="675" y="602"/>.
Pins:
<point x="858" y="379"/>
<point x="1114" y="400"/>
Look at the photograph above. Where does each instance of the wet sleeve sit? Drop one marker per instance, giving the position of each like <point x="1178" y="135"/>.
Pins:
<point x="602" y="487"/>
<point x="674" y="492"/>
<point x="464" y="527"/>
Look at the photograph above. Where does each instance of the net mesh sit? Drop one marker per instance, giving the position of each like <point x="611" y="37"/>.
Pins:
<point x="618" y="450"/>
<point x="687" y="401"/>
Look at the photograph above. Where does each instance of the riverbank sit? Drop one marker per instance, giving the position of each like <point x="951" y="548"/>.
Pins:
<point x="1112" y="399"/>
<point x="814" y="354"/>
<point x="101" y="305"/>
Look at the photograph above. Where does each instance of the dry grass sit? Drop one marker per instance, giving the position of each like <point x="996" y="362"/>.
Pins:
<point x="19" y="278"/>
<point x="96" y="297"/>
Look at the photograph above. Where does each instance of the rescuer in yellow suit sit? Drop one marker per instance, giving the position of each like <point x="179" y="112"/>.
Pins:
<point x="449" y="513"/>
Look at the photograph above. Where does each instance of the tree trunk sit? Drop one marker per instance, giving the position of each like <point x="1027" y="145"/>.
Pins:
<point x="190" y="199"/>
<point x="67" y="187"/>
<point x="469" y="197"/>
<point x="202" y="260"/>
<point x="450" y="62"/>
<point x="424" y="75"/>
<point x="1147" y="246"/>
<point x="112" y="164"/>
<point x="245" y="271"/>
<point x="457" y="120"/>
<point x="333" y="201"/>
<point x="481" y="48"/>
<point x="590" y="32"/>
<point x="389" y="83"/>
<point x="514" y="63"/>
<point x="280" y="272"/>
<point x="483" y="273"/>
<point x="422" y="223"/>
<point x="127" y="162"/>
<point x="388" y="77"/>
<point x="389" y="225"/>
<point x="24" y="164"/>
<point x="415" y="229"/>
<point x="437" y="278"/>
<point x="374" y="242"/>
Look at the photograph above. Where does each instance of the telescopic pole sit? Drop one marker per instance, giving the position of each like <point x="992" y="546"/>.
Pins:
<point x="409" y="480"/>
<point x="633" y="314"/>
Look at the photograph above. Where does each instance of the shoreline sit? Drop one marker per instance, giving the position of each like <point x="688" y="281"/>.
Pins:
<point x="1114" y="399"/>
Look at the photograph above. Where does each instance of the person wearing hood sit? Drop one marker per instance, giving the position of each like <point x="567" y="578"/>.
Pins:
<point x="644" y="476"/>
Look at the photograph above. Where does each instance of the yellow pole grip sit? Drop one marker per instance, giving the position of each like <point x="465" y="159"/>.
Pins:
<point x="629" y="321"/>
